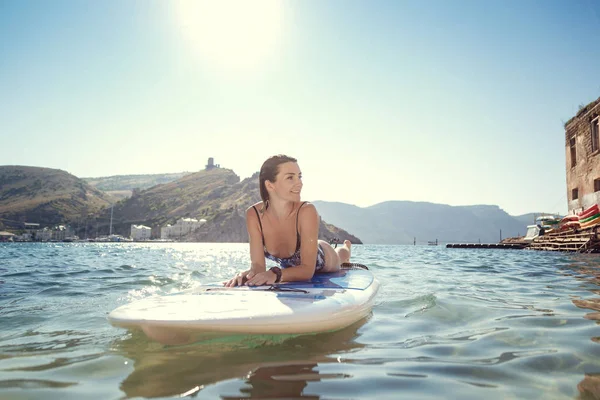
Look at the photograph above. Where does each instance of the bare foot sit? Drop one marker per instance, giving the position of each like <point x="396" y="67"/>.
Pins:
<point x="344" y="252"/>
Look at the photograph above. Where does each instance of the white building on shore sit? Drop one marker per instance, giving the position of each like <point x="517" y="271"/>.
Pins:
<point x="62" y="232"/>
<point x="43" y="235"/>
<point x="140" y="232"/>
<point x="181" y="228"/>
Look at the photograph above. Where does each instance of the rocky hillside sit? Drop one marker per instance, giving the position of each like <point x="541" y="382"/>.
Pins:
<point x="122" y="186"/>
<point x="216" y="195"/>
<point x="129" y="182"/>
<point x="46" y="196"/>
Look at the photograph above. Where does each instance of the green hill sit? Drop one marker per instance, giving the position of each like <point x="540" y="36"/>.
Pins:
<point x="46" y="196"/>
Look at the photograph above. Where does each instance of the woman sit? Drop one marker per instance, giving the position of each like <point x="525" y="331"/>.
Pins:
<point x="285" y="230"/>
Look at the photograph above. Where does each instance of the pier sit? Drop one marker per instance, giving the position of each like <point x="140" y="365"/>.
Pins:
<point x="580" y="241"/>
<point x="517" y="246"/>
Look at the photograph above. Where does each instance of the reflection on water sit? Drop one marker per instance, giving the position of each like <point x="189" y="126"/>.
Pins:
<point x="589" y="387"/>
<point x="282" y="380"/>
<point x="271" y="366"/>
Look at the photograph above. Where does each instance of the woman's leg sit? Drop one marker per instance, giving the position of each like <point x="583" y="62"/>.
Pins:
<point x="334" y="258"/>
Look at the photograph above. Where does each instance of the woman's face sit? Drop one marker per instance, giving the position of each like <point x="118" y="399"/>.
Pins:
<point x="288" y="181"/>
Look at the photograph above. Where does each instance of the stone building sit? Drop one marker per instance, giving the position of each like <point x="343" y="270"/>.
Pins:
<point x="62" y="232"/>
<point x="582" y="146"/>
<point x="140" y="232"/>
<point x="181" y="228"/>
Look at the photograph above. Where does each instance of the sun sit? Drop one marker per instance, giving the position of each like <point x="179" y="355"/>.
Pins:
<point x="231" y="34"/>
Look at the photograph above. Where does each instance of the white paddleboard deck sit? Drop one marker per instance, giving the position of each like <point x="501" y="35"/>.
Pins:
<point x="328" y="302"/>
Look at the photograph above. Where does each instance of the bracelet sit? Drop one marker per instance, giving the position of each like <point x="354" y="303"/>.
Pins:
<point x="277" y="272"/>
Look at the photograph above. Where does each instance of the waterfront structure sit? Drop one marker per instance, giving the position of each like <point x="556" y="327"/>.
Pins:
<point x="31" y="226"/>
<point x="43" y="235"/>
<point x="582" y="147"/>
<point x="181" y="228"/>
<point x="62" y="232"/>
<point x="24" y="237"/>
<point x="140" y="232"/>
<point x="6" y="236"/>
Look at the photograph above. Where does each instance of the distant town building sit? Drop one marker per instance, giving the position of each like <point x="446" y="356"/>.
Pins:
<point x="165" y="231"/>
<point x="181" y="228"/>
<point x="141" y="232"/>
<point x="582" y="146"/>
<point x="6" y="236"/>
<point x="43" y="235"/>
<point x="211" y="164"/>
<point x="29" y="226"/>
<point x="62" y="232"/>
<point x="24" y="237"/>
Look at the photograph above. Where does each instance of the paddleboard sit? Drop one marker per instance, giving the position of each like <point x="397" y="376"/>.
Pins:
<point x="330" y="301"/>
<point x="588" y="212"/>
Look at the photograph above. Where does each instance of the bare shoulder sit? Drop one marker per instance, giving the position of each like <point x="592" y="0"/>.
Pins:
<point x="308" y="210"/>
<point x="250" y="211"/>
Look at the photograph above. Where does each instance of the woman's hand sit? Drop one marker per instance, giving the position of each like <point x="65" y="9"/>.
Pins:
<point x="262" y="278"/>
<point x="240" y="279"/>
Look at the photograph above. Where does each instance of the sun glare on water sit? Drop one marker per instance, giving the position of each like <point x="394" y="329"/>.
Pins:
<point x="237" y="35"/>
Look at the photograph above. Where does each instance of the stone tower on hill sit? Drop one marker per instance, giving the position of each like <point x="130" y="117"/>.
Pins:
<point x="211" y="164"/>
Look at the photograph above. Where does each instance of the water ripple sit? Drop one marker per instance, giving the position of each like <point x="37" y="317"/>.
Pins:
<point x="447" y="322"/>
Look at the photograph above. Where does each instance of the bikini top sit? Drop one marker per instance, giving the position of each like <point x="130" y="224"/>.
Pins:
<point x="290" y="261"/>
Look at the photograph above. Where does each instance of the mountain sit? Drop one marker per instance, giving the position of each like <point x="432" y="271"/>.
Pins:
<point x="46" y="196"/>
<point x="400" y="222"/>
<point x="122" y="186"/>
<point x="216" y="195"/>
<point x="50" y="196"/>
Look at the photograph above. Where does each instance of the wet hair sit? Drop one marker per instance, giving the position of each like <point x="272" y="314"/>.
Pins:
<point x="268" y="172"/>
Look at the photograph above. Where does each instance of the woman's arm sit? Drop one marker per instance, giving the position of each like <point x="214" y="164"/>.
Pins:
<point x="257" y="255"/>
<point x="308" y="227"/>
<point x="257" y="249"/>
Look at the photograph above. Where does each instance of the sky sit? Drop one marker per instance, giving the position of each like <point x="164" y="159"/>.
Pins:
<point x="454" y="102"/>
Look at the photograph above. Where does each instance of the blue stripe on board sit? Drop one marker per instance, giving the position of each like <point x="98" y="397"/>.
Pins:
<point x="345" y="279"/>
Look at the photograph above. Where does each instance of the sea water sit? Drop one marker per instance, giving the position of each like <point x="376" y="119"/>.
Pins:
<point x="447" y="323"/>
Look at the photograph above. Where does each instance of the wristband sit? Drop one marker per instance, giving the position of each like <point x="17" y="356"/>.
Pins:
<point x="277" y="272"/>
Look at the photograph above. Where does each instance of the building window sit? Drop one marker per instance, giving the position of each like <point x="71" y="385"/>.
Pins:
<point x="597" y="185"/>
<point x="595" y="133"/>
<point x="574" y="194"/>
<point x="573" y="152"/>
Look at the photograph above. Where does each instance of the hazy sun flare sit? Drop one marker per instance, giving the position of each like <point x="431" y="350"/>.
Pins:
<point x="231" y="34"/>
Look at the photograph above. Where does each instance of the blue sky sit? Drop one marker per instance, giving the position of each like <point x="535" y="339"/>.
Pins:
<point x="453" y="102"/>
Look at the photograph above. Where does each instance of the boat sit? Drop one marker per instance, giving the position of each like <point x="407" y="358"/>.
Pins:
<point x="533" y="231"/>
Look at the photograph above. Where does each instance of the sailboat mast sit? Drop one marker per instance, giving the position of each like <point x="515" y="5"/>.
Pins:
<point x="111" y="214"/>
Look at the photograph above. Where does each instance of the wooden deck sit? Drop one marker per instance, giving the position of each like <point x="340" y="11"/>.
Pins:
<point x="582" y="241"/>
